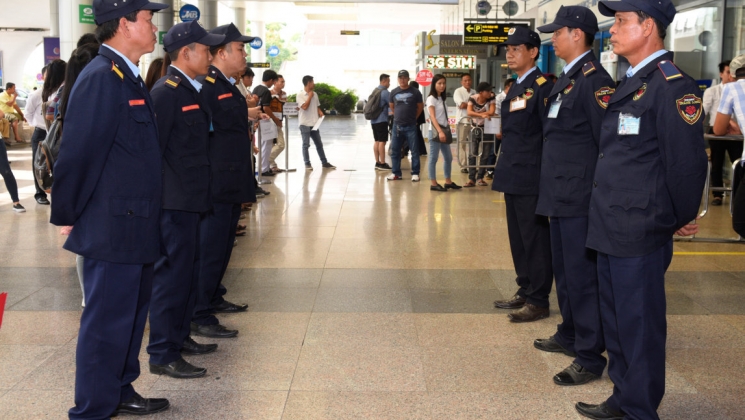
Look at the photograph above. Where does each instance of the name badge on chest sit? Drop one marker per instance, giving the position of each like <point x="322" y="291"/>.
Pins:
<point x="628" y="125"/>
<point x="518" y="103"/>
<point x="553" y="111"/>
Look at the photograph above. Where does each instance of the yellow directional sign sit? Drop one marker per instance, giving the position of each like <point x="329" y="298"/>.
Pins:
<point x="350" y="32"/>
<point x="260" y="65"/>
<point x="485" y="33"/>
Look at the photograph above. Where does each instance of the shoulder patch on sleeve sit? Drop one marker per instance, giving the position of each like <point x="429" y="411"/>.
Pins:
<point x="588" y="68"/>
<point x="603" y="95"/>
<point x="669" y="71"/>
<point x="173" y="81"/>
<point x="116" y="70"/>
<point x="689" y="108"/>
<point x="540" y="80"/>
<point x="211" y="76"/>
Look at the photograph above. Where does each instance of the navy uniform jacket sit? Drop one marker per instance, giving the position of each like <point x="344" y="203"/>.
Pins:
<point x="107" y="179"/>
<point x="570" y="147"/>
<point x="649" y="185"/>
<point x="183" y="128"/>
<point x="230" y="150"/>
<point x="519" y="161"/>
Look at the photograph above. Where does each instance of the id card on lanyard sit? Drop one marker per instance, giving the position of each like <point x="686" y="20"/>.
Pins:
<point x="517" y="104"/>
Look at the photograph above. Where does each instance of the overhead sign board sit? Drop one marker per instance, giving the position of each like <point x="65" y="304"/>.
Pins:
<point x="259" y="65"/>
<point x="188" y="13"/>
<point x="486" y="33"/>
<point x="451" y="62"/>
<point x="350" y="32"/>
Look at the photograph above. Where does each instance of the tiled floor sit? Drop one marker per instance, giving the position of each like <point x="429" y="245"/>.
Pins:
<point x="368" y="299"/>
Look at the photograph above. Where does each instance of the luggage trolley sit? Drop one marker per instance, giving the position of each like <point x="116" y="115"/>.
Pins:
<point x="473" y="145"/>
<point x="708" y="188"/>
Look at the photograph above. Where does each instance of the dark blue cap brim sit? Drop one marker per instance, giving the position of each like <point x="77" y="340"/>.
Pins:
<point x="155" y="6"/>
<point x="212" y="40"/>
<point x="244" y="39"/>
<point x="551" y="27"/>
<point x="609" y="8"/>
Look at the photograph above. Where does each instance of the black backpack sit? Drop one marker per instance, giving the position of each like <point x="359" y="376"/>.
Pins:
<point x="372" y="108"/>
<point x="47" y="154"/>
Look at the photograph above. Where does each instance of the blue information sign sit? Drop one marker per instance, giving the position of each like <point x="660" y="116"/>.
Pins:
<point x="272" y="51"/>
<point x="188" y="13"/>
<point x="256" y="43"/>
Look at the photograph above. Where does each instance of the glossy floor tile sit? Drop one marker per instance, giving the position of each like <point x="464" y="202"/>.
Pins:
<point x="368" y="299"/>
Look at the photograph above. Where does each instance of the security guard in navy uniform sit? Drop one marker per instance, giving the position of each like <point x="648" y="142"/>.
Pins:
<point x="517" y="175"/>
<point x="232" y="180"/>
<point x="108" y="187"/>
<point x="576" y="107"/>
<point x="648" y="185"/>
<point x="183" y="127"/>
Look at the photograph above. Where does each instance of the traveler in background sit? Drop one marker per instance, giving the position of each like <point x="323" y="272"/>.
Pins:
<point x="308" y="115"/>
<point x="460" y="96"/>
<point x="268" y="79"/>
<point x="52" y="89"/>
<point x="12" y="111"/>
<point x="712" y="97"/>
<point x="480" y="108"/>
<point x="154" y="72"/>
<point x="406" y="104"/>
<point x="279" y="97"/>
<point x="421" y="120"/>
<point x="440" y="137"/>
<point x="34" y="107"/>
<point x="380" y="125"/>
<point x="9" y="178"/>
<point x="492" y="160"/>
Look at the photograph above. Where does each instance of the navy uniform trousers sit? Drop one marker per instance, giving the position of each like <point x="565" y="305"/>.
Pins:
<point x="530" y="244"/>
<point x="635" y="339"/>
<point x="111" y="329"/>
<point x="174" y="285"/>
<point x="576" y="274"/>
<point x="216" y="237"/>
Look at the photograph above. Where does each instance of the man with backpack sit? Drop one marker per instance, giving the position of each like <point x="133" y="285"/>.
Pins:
<point x="376" y="110"/>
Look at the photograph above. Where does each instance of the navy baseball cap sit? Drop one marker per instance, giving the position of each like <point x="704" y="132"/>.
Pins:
<point x="106" y="10"/>
<point x="662" y="10"/>
<point x="573" y="17"/>
<point x="403" y="73"/>
<point x="519" y="35"/>
<point x="232" y="34"/>
<point x="183" y="34"/>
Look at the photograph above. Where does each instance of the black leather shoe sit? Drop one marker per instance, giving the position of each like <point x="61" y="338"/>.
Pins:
<point x="598" y="411"/>
<point x="213" y="331"/>
<point x="574" y="375"/>
<point x="229" y="308"/>
<point x="42" y="200"/>
<point x="139" y="406"/>
<point x="552" y="346"/>
<point x="528" y="313"/>
<point x="193" y="348"/>
<point x="180" y="369"/>
<point x="515" y="302"/>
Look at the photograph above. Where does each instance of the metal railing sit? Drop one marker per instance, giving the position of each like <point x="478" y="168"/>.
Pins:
<point x="473" y="145"/>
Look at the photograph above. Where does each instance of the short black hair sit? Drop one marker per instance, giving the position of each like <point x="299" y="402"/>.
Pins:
<point x="464" y="75"/>
<point x="661" y="30"/>
<point x="279" y="76"/>
<point x="384" y="76"/>
<point x="724" y="64"/>
<point x="509" y="82"/>
<point x="88" y="38"/>
<point x="307" y="79"/>
<point x="248" y="72"/>
<point x="173" y="55"/>
<point x="269" y="75"/>
<point x="107" y="30"/>
<point x="589" y="38"/>
<point x="414" y="84"/>
<point x="9" y="85"/>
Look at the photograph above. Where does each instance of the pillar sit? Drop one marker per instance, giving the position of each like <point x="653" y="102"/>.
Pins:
<point x="70" y="28"/>
<point x="240" y="19"/>
<point x="53" y="18"/>
<point x="164" y="20"/>
<point x="208" y="12"/>
<point x="258" y="28"/>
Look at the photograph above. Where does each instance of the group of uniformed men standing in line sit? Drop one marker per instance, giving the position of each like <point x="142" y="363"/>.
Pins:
<point x="618" y="170"/>
<point x="597" y="179"/>
<point x="153" y="184"/>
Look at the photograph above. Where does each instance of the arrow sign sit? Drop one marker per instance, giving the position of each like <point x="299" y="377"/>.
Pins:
<point x="469" y="28"/>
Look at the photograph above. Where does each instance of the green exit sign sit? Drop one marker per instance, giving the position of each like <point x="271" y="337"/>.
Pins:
<point x="161" y="35"/>
<point x="86" y="14"/>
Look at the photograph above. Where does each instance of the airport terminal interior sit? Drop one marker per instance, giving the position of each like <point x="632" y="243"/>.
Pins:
<point x="371" y="299"/>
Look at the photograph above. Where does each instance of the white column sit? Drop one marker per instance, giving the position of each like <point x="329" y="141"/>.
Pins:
<point x="258" y="29"/>
<point x="70" y="28"/>
<point x="53" y="18"/>
<point x="164" y="20"/>
<point x="240" y="19"/>
<point x="208" y="12"/>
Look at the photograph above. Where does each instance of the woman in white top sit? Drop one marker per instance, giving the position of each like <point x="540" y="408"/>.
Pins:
<point x="440" y="136"/>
